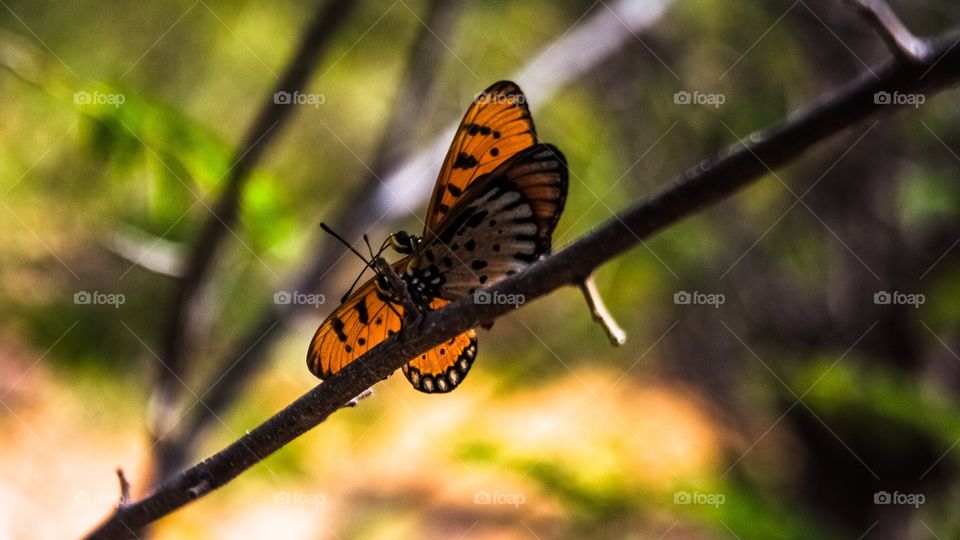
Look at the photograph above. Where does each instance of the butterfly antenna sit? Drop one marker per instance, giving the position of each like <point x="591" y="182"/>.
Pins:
<point x="366" y="240"/>
<point x="344" y="242"/>
<point x="384" y="246"/>
<point x="354" y="284"/>
<point x="366" y="263"/>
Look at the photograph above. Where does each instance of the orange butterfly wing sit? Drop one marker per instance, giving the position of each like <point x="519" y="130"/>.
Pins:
<point x="443" y="368"/>
<point x="502" y="225"/>
<point x="367" y="318"/>
<point x="496" y="126"/>
<point x="359" y="324"/>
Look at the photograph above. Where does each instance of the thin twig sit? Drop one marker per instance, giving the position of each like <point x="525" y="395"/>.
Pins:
<point x="600" y="313"/>
<point x="901" y="42"/>
<point x="363" y="395"/>
<point x="124" y="488"/>
<point x="697" y="188"/>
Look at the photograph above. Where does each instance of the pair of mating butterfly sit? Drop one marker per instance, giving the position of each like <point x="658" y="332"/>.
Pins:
<point x="496" y="202"/>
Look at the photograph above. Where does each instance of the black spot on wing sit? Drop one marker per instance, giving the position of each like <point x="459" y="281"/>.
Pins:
<point x="476" y="218"/>
<point x="465" y="161"/>
<point x="362" y="312"/>
<point x="337" y="326"/>
<point x="477" y="129"/>
<point x="454" y="190"/>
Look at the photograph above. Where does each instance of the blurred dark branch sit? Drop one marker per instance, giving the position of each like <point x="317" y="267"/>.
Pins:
<point x="699" y="187"/>
<point x="329" y="16"/>
<point x="410" y="104"/>
<point x="898" y="37"/>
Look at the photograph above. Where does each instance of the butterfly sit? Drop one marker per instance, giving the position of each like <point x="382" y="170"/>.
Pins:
<point x="494" y="207"/>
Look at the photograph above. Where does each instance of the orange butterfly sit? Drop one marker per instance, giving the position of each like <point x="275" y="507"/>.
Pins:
<point x="493" y="210"/>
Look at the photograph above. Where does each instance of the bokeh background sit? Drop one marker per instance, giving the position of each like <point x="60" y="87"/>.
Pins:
<point x="786" y="400"/>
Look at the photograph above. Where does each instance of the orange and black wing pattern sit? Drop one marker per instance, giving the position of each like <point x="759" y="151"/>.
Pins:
<point x="496" y="126"/>
<point x="497" y="200"/>
<point x="502" y="225"/>
<point x="358" y="325"/>
<point x="367" y="318"/>
<point x="444" y="367"/>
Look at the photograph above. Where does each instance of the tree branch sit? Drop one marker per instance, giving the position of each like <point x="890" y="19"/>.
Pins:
<point x="699" y="187"/>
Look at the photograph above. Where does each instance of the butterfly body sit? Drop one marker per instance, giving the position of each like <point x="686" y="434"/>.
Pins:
<point x="495" y="205"/>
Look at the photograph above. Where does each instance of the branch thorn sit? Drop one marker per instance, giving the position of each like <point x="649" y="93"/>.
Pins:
<point x="124" y="488"/>
<point x="600" y="313"/>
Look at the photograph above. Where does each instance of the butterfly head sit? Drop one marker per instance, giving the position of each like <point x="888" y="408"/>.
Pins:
<point x="404" y="243"/>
